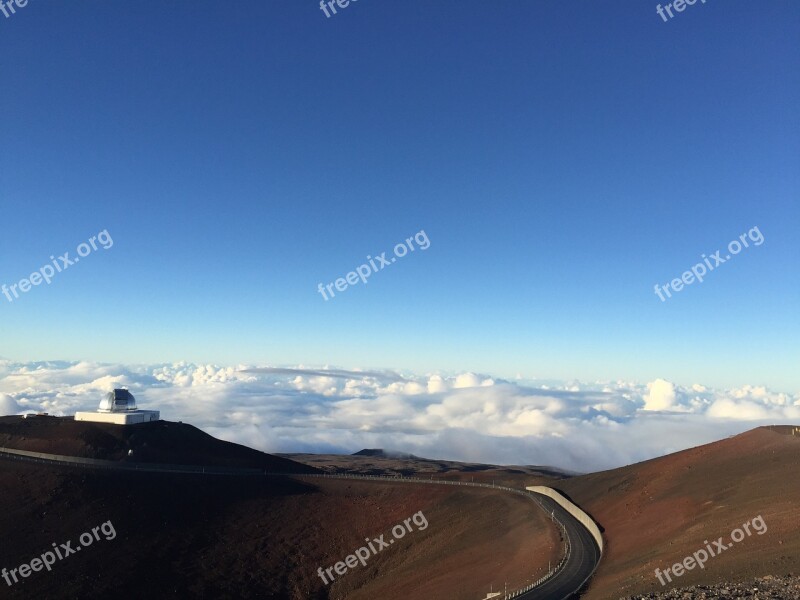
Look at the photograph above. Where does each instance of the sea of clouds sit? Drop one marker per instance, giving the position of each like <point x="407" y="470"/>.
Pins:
<point x="465" y="416"/>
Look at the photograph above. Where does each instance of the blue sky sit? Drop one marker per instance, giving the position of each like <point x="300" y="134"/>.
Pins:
<point x="562" y="158"/>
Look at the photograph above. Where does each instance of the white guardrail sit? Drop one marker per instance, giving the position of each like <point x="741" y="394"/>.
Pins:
<point x="572" y="509"/>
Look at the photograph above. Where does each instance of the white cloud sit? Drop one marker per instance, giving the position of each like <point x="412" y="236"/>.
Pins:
<point x="8" y="406"/>
<point x="467" y="380"/>
<point x="660" y="395"/>
<point x="463" y="416"/>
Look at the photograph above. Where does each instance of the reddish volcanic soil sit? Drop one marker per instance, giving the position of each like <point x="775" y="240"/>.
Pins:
<point x="157" y="442"/>
<point x="658" y="512"/>
<point x="475" y="539"/>
<point x="191" y="536"/>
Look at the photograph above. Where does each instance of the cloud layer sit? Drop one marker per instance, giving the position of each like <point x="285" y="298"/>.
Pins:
<point x="462" y="416"/>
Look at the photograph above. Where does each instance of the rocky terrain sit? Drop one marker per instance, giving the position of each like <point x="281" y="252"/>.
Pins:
<point x="763" y="588"/>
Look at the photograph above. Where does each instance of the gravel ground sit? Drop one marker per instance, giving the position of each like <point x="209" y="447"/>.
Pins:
<point x="764" y="588"/>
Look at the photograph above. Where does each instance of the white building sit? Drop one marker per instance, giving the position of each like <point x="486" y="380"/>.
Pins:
<point x="119" y="407"/>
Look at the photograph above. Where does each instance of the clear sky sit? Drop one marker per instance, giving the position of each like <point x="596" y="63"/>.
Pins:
<point x="561" y="157"/>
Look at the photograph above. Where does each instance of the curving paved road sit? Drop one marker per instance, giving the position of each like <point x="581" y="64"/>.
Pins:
<point x="581" y="562"/>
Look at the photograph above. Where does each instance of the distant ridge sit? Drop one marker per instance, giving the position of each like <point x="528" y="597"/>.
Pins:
<point x="381" y="453"/>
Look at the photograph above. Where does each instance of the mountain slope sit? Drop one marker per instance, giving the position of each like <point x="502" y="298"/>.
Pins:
<point x="156" y="442"/>
<point x="658" y="512"/>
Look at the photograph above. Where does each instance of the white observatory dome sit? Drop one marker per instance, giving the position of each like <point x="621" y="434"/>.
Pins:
<point x="118" y="401"/>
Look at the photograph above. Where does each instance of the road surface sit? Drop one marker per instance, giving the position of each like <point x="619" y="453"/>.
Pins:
<point x="583" y="560"/>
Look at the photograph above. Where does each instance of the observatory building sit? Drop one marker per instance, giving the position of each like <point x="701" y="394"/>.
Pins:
<point x="119" y="407"/>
